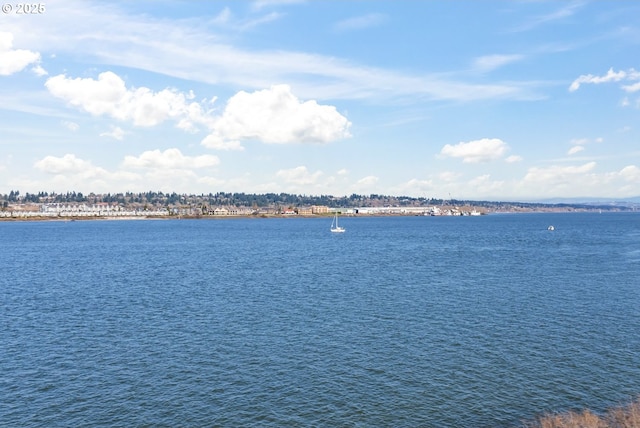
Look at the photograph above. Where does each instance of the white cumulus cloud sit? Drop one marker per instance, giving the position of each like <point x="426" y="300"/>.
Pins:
<point x="416" y="186"/>
<point x="369" y="180"/>
<point x="214" y="141"/>
<point x="448" y="176"/>
<point x="483" y="184"/>
<point x="69" y="163"/>
<point x="559" y="174"/>
<point x="39" y="71"/>
<point x="630" y="173"/>
<point x="170" y="159"/>
<point x="368" y="184"/>
<point x="632" y="88"/>
<point x="299" y="175"/>
<point x="483" y="150"/>
<point x="116" y="132"/>
<point x="108" y="95"/>
<point x="275" y="116"/>
<point x="611" y="76"/>
<point x="15" y="60"/>
<point x="71" y="172"/>
<point x="560" y="180"/>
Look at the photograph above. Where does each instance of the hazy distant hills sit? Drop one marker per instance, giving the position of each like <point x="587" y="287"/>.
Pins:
<point x="627" y="202"/>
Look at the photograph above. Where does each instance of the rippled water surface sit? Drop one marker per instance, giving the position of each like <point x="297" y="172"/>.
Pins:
<point x="401" y="321"/>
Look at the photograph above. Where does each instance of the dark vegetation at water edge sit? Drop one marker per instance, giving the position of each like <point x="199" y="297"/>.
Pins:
<point x="618" y="417"/>
<point x="252" y="200"/>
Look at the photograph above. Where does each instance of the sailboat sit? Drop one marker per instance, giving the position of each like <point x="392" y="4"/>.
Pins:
<point x="334" y="225"/>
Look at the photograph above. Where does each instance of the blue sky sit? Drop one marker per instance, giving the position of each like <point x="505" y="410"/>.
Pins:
<point x="500" y="100"/>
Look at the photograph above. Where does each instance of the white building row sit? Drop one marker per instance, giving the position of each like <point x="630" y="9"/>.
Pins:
<point x="70" y="213"/>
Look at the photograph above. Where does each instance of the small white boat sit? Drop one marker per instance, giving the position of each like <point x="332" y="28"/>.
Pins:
<point x="551" y="228"/>
<point x="334" y="225"/>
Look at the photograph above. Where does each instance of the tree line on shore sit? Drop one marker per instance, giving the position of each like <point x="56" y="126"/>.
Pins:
<point x="253" y="200"/>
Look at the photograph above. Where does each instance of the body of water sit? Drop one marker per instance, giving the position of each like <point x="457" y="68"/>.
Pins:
<point x="401" y="321"/>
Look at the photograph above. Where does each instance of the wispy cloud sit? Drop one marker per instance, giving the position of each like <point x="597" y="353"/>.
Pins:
<point x="223" y="17"/>
<point x="557" y="15"/>
<point x="71" y="126"/>
<point x="360" y="22"/>
<point x="578" y="144"/>
<point x="158" y="46"/>
<point x="575" y="149"/>
<point x="226" y="20"/>
<point x="491" y="62"/>
<point x="261" y="4"/>
<point x="270" y="17"/>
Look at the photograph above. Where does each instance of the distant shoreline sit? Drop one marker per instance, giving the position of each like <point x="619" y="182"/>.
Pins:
<point x="274" y="216"/>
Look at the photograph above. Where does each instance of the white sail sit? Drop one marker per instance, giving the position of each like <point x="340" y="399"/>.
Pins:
<point x="334" y="225"/>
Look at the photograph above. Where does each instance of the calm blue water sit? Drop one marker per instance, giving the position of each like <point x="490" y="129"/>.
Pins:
<point x="401" y="321"/>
